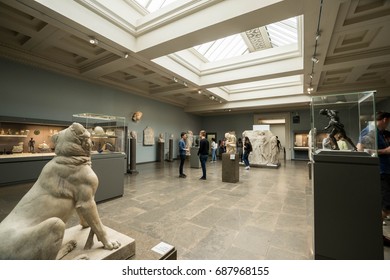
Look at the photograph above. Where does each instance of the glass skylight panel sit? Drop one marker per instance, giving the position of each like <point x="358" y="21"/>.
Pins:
<point x="223" y="48"/>
<point x="281" y="33"/>
<point x="154" y="5"/>
<point x="284" y="32"/>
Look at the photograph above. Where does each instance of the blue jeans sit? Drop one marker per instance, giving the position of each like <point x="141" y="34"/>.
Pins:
<point x="203" y="160"/>
<point x="246" y="159"/>
<point x="214" y="154"/>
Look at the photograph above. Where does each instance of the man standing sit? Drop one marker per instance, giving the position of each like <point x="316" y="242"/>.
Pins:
<point x="366" y="138"/>
<point x="203" y="152"/>
<point x="182" y="153"/>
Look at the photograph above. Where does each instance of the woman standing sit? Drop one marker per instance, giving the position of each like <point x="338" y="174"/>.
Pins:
<point x="214" y="148"/>
<point x="247" y="151"/>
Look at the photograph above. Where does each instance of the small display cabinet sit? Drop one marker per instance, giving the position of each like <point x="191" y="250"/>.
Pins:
<point x="345" y="180"/>
<point x="107" y="132"/>
<point x="340" y="122"/>
<point x="108" y="135"/>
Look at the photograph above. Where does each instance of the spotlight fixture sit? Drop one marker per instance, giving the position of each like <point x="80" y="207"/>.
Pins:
<point x="212" y="97"/>
<point x="175" y="79"/>
<point x="185" y="84"/>
<point x="200" y="91"/>
<point x="315" y="59"/>
<point x="318" y="35"/>
<point x="220" y="101"/>
<point x="93" y="41"/>
<point x="311" y="75"/>
<point x="126" y="55"/>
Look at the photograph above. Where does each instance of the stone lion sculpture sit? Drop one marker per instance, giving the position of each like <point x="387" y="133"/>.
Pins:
<point x="35" y="227"/>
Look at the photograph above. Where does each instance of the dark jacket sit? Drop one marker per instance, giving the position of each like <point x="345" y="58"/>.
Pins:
<point x="203" y="147"/>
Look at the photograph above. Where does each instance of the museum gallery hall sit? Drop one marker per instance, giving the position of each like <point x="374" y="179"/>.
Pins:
<point x="195" y="129"/>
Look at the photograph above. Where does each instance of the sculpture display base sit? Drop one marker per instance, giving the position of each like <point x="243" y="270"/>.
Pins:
<point x="230" y="168"/>
<point x="194" y="158"/>
<point x="269" y="165"/>
<point x="80" y="235"/>
<point x="160" y="152"/>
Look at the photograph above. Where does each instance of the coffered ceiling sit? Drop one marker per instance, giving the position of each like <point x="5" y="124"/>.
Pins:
<point x="152" y="55"/>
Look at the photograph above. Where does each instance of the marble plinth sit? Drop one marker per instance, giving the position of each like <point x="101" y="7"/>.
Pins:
<point x="125" y="251"/>
<point x="230" y="168"/>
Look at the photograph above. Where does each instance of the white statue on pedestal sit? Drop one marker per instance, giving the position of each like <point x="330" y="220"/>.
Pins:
<point x="230" y="143"/>
<point x="35" y="227"/>
<point x="161" y="138"/>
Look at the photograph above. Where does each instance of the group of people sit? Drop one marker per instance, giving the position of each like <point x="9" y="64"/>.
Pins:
<point x="243" y="149"/>
<point x="203" y="153"/>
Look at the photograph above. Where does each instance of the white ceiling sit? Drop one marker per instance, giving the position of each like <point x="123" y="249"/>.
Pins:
<point x="353" y="49"/>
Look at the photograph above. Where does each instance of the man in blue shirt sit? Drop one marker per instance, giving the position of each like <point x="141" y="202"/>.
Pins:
<point x="182" y="153"/>
<point x="365" y="139"/>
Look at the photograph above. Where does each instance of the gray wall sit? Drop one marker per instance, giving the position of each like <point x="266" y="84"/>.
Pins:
<point x="384" y="105"/>
<point x="31" y="92"/>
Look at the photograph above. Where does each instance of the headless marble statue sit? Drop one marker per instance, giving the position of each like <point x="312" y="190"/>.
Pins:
<point x="35" y="227"/>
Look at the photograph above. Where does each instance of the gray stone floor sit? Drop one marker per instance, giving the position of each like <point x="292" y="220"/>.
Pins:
<point x="267" y="215"/>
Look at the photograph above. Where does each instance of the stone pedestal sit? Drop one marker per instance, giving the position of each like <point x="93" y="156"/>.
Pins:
<point x="170" y="154"/>
<point x="80" y="235"/>
<point x="160" y="152"/>
<point x="194" y="158"/>
<point x="230" y="168"/>
<point x="133" y="156"/>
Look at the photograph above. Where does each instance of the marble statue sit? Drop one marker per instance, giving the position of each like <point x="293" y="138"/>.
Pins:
<point x="230" y="143"/>
<point x="161" y="138"/>
<point x="264" y="154"/>
<point x="98" y="130"/>
<point x="189" y="142"/>
<point x="265" y="148"/>
<point x="133" y="134"/>
<point x="148" y="136"/>
<point x="18" y="148"/>
<point x="274" y="155"/>
<point x="35" y="227"/>
<point x="137" y="116"/>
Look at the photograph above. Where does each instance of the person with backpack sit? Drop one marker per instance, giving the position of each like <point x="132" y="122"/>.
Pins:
<point x="247" y="151"/>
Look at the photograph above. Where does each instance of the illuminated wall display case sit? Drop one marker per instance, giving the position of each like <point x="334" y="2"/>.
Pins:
<point x="108" y="133"/>
<point x="27" y="137"/>
<point x="301" y="145"/>
<point x="344" y="178"/>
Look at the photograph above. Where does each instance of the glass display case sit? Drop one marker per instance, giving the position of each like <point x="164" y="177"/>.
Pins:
<point x="27" y="137"/>
<point x="344" y="122"/>
<point x="107" y="132"/>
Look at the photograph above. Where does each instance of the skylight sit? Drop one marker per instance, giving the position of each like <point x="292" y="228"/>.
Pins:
<point x="224" y="48"/>
<point x="270" y="36"/>
<point x="154" y="5"/>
